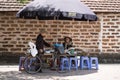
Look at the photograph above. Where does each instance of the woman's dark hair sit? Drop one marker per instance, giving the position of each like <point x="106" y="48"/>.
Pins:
<point x="68" y="38"/>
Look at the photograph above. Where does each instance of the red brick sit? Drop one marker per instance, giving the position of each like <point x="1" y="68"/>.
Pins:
<point x="111" y="50"/>
<point x="75" y="22"/>
<point x="115" y="19"/>
<point x="92" y="22"/>
<point x="20" y="46"/>
<point x="94" y="39"/>
<point x="2" y="21"/>
<point x="84" y="40"/>
<point x="104" y="43"/>
<point x="8" y="45"/>
<point x="6" y="32"/>
<point x="115" y="40"/>
<point x="32" y="35"/>
<point x="110" y="23"/>
<point x="29" y="33"/>
<point x="96" y="26"/>
<point x="66" y="22"/>
<point x="14" y="25"/>
<point x="5" y="18"/>
<point x="83" y="30"/>
<point x="2" y="29"/>
<point x="111" y="29"/>
<point x="68" y="26"/>
<point x="106" y="47"/>
<point x="110" y="36"/>
<point x="112" y="43"/>
<point x="33" y="22"/>
<point x="3" y="42"/>
<point x="111" y="16"/>
<point x="17" y="32"/>
<point x="118" y="23"/>
<point x="84" y="33"/>
<point x="7" y="38"/>
<point x="115" y="33"/>
<point x="76" y="39"/>
<point x="106" y="26"/>
<point x="57" y="22"/>
<point x="45" y="26"/>
<point x="77" y="26"/>
<point x="89" y="36"/>
<point x="76" y="33"/>
<point x="86" y="26"/>
<point x="10" y="29"/>
<point x="4" y="25"/>
<point x="3" y="49"/>
<point x="115" y="47"/>
<point x="94" y="33"/>
<point x="118" y="50"/>
<point x="10" y="21"/>
<point x="29" y="25"/>
<point x="24" y="29"/>
<point x="91" y="30"/>
<point x="65" y="30"/>
<point x="12" y="35"/>
<point x="114" y="26"/>
<point x="106" y="19"/>
<point x="53" y="26"/>
<point x="118" y="36"/>
<point x="23" y="35"/>
<point x="106" y="33"/>
<point x="74" y="30"/>
<point x="42" y="21"/>
<point x="106" y="40"/>
<point x="15" y="49"/>
<point x="13" y="42"/>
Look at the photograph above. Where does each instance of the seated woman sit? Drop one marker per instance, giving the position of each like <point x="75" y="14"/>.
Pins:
<point x="67" y="43"/>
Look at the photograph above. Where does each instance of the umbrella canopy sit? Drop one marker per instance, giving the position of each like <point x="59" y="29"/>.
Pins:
<point x="60" y="9"/>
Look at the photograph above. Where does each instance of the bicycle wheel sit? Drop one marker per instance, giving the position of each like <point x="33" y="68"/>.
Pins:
<point x="32" y="64"/>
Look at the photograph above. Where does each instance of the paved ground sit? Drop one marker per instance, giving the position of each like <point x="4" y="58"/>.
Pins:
<point x="105" y="72"/>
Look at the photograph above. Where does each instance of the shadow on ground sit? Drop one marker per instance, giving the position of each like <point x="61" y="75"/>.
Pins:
<point x="47" y="74"/>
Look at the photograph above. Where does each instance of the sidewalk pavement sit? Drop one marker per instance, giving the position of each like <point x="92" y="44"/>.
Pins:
<point x="105" y="72"/>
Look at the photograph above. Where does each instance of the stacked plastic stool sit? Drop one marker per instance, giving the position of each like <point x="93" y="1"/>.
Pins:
<point x="84" y="62"/>
<point x="73" y="63"/>
<point x="93" y="63"/>
<point x="65" y="64"/>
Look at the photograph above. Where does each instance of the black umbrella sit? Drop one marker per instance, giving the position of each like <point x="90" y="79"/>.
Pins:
<point x="60" y="9"/>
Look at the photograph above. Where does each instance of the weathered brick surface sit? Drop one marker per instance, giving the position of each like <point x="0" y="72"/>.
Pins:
<point x="16" y="33"/>
<point x="111" y="33"/>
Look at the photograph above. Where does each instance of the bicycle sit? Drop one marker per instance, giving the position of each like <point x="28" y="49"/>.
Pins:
<point x="33" y="64"/>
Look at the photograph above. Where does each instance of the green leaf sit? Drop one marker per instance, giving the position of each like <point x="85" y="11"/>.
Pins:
<point x="22" y="1"/>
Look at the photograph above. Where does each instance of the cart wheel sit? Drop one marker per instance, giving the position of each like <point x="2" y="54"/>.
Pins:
<point x="32" y="65"/>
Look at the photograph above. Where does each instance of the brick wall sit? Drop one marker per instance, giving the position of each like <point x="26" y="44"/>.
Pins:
<point x="16" y="33"/>
<point x="111" y="33"/>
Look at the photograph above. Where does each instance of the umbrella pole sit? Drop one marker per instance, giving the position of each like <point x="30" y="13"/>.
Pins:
<point x="56" y="41"/>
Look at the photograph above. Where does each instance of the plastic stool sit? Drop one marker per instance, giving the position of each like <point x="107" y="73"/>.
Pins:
<point x="84" y="62"/>
<point x="65" y="64"/>
<point x="75" y="64"/>
<point x="21" y="60"/>
<point x="95" y="64"/>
